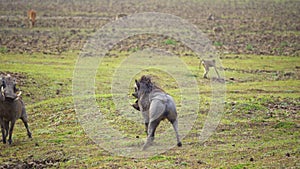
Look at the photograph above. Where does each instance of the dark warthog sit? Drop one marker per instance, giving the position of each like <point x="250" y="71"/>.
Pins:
<point x="155" y="105"/>
<point x="11" y="108"/>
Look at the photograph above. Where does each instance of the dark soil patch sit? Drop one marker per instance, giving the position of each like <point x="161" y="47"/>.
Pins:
<point x="248" y="27"/>
<point x="276" y="75"/>
<point x="46" y="163"/>
<point x="289" y="107"/>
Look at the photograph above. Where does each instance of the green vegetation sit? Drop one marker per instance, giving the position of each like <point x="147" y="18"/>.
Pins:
<point x="249" y="47"/>
<point x="259" y="126"/>
<point x="3" y="49"/>
<point x="218" y="44"/>
<point x="170" y="42"/>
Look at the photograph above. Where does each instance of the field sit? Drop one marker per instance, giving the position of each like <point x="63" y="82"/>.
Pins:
<point x="259" y="49"/>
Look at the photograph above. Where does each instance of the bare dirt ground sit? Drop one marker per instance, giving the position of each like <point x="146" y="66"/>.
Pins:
<point x="256" y="27"/>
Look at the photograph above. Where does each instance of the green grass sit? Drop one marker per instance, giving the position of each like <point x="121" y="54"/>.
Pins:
<point x="218" y="44"/>
<point x="3" y="50"/>
<point x="249" y="47"/>
<point x="258" y="128"/>
<point x="170" y="42"/>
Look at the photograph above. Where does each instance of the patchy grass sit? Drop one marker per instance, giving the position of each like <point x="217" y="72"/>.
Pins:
<point x="259" y="128"/>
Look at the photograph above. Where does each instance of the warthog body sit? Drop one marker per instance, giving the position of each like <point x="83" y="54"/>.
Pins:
<point x="155" y="105"/>
<point x="12" y="108"/>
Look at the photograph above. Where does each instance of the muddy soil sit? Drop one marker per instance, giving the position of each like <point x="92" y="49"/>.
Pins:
<point x="27" y="164"/>
<point x="263" y="27"/>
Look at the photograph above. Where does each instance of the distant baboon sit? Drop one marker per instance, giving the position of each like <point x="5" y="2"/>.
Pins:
<point x="207" y="64"/>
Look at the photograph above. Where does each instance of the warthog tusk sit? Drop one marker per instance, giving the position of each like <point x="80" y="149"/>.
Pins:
<point x="2" y="91"/>
<point x="19" y="94"/>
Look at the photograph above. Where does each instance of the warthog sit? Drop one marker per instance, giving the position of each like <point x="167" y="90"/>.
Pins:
<point x="155" y="105"/>
<point x="11" y="108"/>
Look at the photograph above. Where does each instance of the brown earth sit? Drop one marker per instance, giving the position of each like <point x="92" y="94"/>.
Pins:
<point x="263" y="27"/>
<point x="46" y="163"/>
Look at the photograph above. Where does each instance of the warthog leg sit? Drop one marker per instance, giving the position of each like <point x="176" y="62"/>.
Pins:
<point x="3" y="131"/>
<point x="12" y="125"/>
<point x="146" y="128"/>
<point x="175" y="126"/>
<point x="25" y="121"/>
<point x="151" y="131"/>
<point x="6" y="127"/>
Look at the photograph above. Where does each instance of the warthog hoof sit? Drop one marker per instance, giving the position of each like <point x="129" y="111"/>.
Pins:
<point x="179" y="144"/>
<point x="145" y="147"/>
<point x="9" y="142"/>
<point x="148" y="143"/>
<point x="29" y="135"/>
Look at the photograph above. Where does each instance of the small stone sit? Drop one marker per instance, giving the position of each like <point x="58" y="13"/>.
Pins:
<point x="200" y="162"/>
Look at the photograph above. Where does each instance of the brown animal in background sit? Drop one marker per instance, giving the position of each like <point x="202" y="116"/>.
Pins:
<point x="32" y="17"/>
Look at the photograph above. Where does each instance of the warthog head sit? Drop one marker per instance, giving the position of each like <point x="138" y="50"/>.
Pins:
<point x="143" y="85"/>
<point x="8" y="88"/>
<point x="144" y="82"/>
